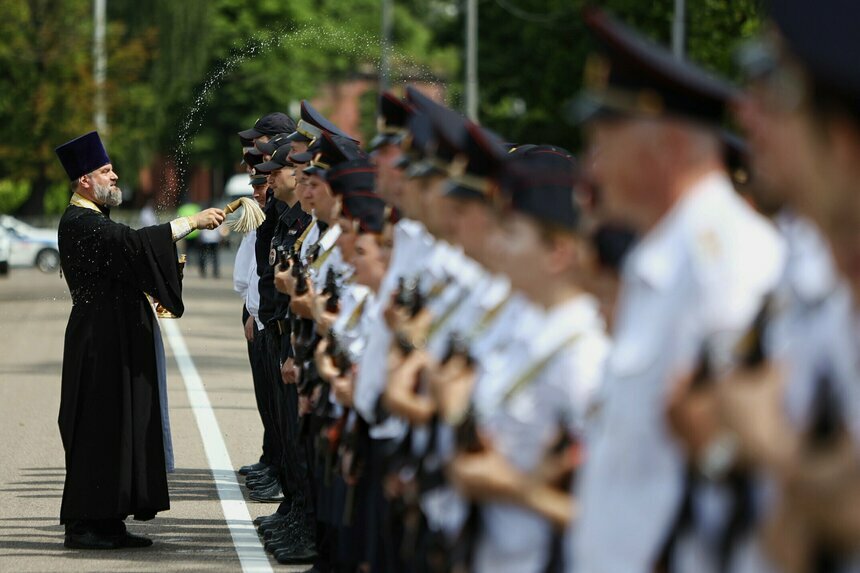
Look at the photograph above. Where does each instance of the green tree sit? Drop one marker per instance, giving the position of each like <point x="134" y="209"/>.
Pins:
<point x="532" y="52"/>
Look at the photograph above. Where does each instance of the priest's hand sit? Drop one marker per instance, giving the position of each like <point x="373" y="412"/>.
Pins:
<point x="208" y="218"/>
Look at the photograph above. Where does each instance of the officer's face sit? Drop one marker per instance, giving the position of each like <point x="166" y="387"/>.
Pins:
<point x="779" y="154"/>
<point x="830" y="196"/>
<point x="534" y="259"/>
<point x="325" y="204"/>
<point x="260" y="194"/>
<point x="436" y="208"/>
<point x="298" y="147"/>
<point x="410" y="198"/>
<point x="101" y="184"/>
<point x="302" y="191"/>
<point x="812" y="160"/>
<point x="472" y="225"/>
<point x="389" y="179"/>
<point x="283" y="183"/>
<point x="521" y="248"/>
<point x="629" y="161"/>
<point x="348" y="236"/>
<point x="368" y="261"/>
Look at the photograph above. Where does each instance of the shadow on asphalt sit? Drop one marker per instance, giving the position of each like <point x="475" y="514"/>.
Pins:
<point x="184" y="484"/>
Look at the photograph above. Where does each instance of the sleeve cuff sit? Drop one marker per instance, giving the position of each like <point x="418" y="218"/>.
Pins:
<point x="181" y="228"/>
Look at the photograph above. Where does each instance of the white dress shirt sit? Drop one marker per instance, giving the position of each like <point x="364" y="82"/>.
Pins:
<point x="412" y="245"/>
<point x="571" y="339"/>
<point x="699" y="275"/>
<point x="245" y="278"/>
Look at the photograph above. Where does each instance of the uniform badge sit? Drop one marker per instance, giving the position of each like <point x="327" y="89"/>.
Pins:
<point x="272" y="256"/>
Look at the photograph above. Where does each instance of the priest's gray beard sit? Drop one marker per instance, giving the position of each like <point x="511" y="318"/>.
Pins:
<point x="109" y="195"/>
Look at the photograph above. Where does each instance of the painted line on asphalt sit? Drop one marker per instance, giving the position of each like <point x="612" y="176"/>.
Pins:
<point x="252" y="556"/>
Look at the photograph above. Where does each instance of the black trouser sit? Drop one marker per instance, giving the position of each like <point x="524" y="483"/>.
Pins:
<point x="262" y="390"/>
<point x="383" y="543"/>
<point x="294" y="471"/>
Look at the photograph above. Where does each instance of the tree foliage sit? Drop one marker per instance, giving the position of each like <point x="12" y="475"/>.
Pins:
<point x="183" y="77"/>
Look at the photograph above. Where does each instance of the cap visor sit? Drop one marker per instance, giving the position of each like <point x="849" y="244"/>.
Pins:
<point x="314" y="170"/>
<point x="586" y="108"/>
<point x="268" y="167"/>
<point x="250" y="134"/>
<point x="421" y="169"/>
<point x="266" y="148"/>
<point x="298" y="137"/>
<point x="402" y="162"/>
<point x="459" y="192"/>
<point x="303" y="157"/>
<point x="384" y="139"/>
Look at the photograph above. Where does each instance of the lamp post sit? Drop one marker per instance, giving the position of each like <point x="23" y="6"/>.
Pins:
<point x="100" y="66"/>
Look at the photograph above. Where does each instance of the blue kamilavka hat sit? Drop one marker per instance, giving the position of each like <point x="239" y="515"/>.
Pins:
<point x="82" y="155"/>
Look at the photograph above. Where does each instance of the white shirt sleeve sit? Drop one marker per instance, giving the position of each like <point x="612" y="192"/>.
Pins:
<point x="240" y="265"/>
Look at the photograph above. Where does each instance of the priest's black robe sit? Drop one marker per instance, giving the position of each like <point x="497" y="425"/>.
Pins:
<point x="110" y="421"/>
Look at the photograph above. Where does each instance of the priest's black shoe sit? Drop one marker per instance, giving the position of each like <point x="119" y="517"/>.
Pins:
<point x="92" y="540"/>
<point x="270" y="495"/>
<point x="245" y="470"/>
<point x="130" y="540"/>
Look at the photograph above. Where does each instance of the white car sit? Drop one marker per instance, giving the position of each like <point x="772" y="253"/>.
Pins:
<point x="5" y="251"/>
<point x="31" y="246"/>
<point x="238" y="185"/>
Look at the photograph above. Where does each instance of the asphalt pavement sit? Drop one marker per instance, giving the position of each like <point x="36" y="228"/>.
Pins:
<point x="194" y="535"/>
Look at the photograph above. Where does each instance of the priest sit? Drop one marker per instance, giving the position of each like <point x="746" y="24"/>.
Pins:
<point x="110" y="420"/>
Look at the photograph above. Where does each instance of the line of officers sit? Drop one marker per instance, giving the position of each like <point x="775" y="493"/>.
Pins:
<point x="428" y="325"/>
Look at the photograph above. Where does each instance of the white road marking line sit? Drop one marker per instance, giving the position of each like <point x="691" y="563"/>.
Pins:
<point x="252" y="556"/>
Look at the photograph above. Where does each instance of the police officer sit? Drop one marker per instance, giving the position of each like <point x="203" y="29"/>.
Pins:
<point x="689" y="287"/>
